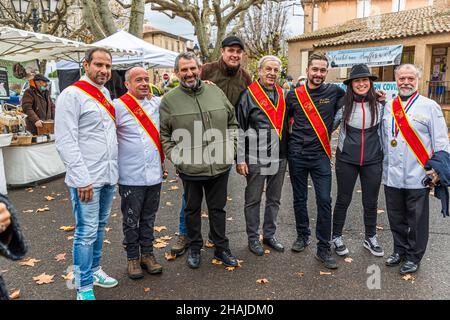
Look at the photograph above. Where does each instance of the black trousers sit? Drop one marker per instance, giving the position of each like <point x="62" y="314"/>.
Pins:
<point x="139" y="205"/>
<point x="216" y="198"/>
<point x="408" y="212"/>
<point x="370" y="177"/>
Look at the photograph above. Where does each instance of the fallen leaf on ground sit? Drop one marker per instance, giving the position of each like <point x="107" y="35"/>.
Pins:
<point x="240" y="263"/>
<point x="267" y="251"/>
<point x="114" y="215"/>
<point x="160" y="245"/>
<point x="260" y="237"/>
<point x="229" y="199"/>
<point x="3" y="271"/>
<point x="107" y="229"/>
<point x="67" y="228"/>
<point x="262" y="281"/>
<point x="380" y="228"/>
<point x="70" y="238"/>
<point x="160" y="240"/>
<point x="15" y="294"/>
<point x="29" y="262"/>
<point x="322" y="273"/>
<point x="380" y="211"/>
<point x="65" y="199"/>
<point x="209" y="244"/>
<point x="358" y="191"/>
<point x="173" y="181"/>
<point x="300" y="274"/>
<point x="166" y="238"/>
<point x="169" y="256"/>
<point x="159" y="229"/>
<point x="28" y="211"/>
<point x="230" y="268"/>
<point x="44" y="278"/>
<point x="169" y="204"/>
<point x="230" y="219"/>
<point x="147" y="290"/>
<point x="408" y="277"/>
<point x="43" y="187"/>
<point x="106" y="241"/>
<point x="49" y="198"/>
<point x="205" y="214"/>
<point x="348" y="260"/>
<point x="29" y="190"/>
<point x="173" y="188"/>
<point x="68" y="276"/>
<point x="216" y="262"/>
<point x="60" y="257"/>
<point x="43" y="209"/>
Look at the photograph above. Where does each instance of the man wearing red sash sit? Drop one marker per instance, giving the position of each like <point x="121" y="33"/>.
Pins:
<point x="313" y="107"/>
<point x="86" y="141"/>
<point x="413" y="131"/>
<point x="140" y="170"/>
<point x="261" y="114"/>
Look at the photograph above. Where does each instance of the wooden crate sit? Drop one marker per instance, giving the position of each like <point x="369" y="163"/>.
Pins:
<point x="21" y="140"/>
<point x="48" y="128"/>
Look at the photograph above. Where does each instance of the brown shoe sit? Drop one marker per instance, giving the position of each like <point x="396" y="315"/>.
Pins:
<point x="179" y="248"/>
<point x="134" y="269"/>
<point x="149" y="263"/>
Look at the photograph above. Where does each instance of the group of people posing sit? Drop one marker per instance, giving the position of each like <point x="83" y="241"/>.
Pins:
<point x="218" y="116"/>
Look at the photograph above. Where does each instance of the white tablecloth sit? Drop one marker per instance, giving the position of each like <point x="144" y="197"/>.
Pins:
<point x="27" y="164"/>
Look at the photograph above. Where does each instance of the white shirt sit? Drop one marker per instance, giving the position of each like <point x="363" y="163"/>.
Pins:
<point x="85" y="136"/>
<point x="401" y="169"/>
<point x="139" y="159"/>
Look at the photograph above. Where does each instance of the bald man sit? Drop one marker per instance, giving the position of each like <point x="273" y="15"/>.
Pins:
<point x="140" y="170"/>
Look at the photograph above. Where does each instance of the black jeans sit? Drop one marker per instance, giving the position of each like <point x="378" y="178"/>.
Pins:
<point x="370" y="177"/>
<point x="409" y="211"/>
<point x="216" y="198"/>
<point x="139" y="205"/>
<point x="300" y="166"/>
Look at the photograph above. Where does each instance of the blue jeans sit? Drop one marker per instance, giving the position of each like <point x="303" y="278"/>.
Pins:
<point x="320" y="169"/>
<point x="90" y="221"/>
<point x="182" y="226"/>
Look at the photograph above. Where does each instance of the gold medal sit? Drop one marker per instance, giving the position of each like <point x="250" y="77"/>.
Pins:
<point x="393" y="143"/>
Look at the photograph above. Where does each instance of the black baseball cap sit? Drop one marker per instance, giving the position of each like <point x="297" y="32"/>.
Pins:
<point x="40" y="77"/>
<point x="232" y="40"/>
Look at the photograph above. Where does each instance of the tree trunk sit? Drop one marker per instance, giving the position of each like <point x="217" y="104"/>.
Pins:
<point x="90" y="20"/>
<point x="106" y="17"/>
<point x="137" y="18"/>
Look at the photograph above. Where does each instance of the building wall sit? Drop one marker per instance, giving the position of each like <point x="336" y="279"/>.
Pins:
<point x="166" y="42"/>
<point x="422" y="53"/>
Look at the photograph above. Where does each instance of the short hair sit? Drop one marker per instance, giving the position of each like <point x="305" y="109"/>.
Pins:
<point x="127" y="73"/>
<point x="317" y="56"/>
<point x="267" y="59"/>
<point x="416" y="69"/>
<point x="188" y="55"/>
<point x="90" y="54"/>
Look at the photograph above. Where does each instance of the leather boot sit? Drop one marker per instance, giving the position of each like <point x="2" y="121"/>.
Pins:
<point x="134" y="269"/>
<point x="149" y="263"/>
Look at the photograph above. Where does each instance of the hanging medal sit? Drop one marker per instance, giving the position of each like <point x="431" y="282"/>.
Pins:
<point x="395" y="130"/>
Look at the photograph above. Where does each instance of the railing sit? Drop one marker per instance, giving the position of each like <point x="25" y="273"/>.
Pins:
<point x="439" y="91"/>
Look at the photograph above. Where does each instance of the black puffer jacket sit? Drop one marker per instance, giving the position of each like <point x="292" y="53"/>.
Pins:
<point x="12" y="243"/>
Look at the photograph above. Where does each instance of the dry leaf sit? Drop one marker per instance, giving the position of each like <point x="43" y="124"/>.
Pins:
<point x="43" y="187"/>
<point x="43" y="209"/>
<point x="260" y="237"/>
<point x="65" y="199"/>
<point x="380" y="211"/>
<point x="216" y="262"/>
<point x="107" y="229"/>
<point x="209" y="244"/>
<point x="169" y="204"/>
<point x="380" y="228"/>
<point x="68" y="276"/>
<point x="166" y="238"/>
<point x="205" y="214"/>
<point x="322" y="273"/>
<point x="229" y="199"/>
<point x="3" y="271"/>
<point x="173" y="188"/>
<point x="267" y="251"/>
<point x="70" y="238"/>
<point x="49" y="198"/>
<point x="44" y="278"/>
<point x="169" y="256"/>
<point x="15" y="294"/>
<point x="106" y="241"/>
<point x="114" y="215"/>
<point x="262" y="281"/>
<point x="29" y="190"/>
<point x="358" y="191"/>
<point x="28" y="211"/>
<point x="348" y="260"/>
<point x="173" y="181"/>
<point x="67" y="228"/>
<point x="239" y="263"/>
<point x="230" y="268"/>
<point x="300" y="274"/>
<point x="160" y="245"/>
<point x="29" y="262"/>
<point x="159" y="229"/>
<point x="408" y="277"/>
<point x="147" y="290"/>
<point x="60" y="257"/>
<point x="230" y="219"/>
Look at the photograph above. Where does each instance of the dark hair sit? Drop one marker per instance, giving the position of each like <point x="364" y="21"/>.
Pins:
<point x="90" y="54"/>
<point x="349" y="100"/>
<point x="317" y="56"/>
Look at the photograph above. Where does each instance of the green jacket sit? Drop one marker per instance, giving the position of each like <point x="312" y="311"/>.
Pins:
<point x="184" y="112"/>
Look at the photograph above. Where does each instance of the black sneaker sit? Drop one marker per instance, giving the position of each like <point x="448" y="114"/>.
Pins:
<point x="372" y="245"/>
<point x="300" y="244"/>
<point x="227" y="258"/>
<point x="324" y="256"/>
<point x="339" y="246"/>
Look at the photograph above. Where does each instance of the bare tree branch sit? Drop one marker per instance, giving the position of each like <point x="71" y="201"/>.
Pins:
<point x="123" y="5"/>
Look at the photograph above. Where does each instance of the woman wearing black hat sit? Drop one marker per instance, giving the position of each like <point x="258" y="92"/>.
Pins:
<point x="359" y="153"/>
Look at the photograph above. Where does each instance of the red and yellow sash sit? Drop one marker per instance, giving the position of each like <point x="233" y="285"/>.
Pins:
<point x="144" y="120"/>
<point x="409" y="134"/>
<point x="274" y="113"/>
<point x="314" y="118"/>
<point x="96" y="94"/>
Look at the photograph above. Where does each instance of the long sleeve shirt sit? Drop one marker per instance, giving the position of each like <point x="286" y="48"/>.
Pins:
<point x="139" y="158"/>
<point x="401" y="168"/>
<point x="85" y="136"/>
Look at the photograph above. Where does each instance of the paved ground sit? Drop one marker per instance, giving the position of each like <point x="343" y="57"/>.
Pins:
<point x="214" y="282"/>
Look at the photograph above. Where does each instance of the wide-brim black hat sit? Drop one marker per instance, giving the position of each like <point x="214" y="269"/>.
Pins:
<point x="360" y="71"/>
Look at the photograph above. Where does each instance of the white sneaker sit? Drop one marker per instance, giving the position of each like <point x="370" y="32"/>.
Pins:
<point x="372" y="245"/>
<point x="101" y="279"/>
<point x="339" y="246"/>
